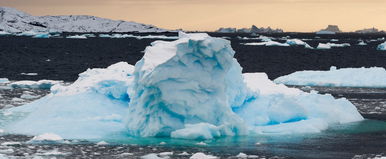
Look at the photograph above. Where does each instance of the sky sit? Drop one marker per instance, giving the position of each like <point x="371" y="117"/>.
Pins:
<point x="209" y="15"/>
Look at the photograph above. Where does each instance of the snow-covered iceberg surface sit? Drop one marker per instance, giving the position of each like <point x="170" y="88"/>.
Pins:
<point x="345" y="77"/>
<point x="382" y="46"/>
<point x="191" y="88"/>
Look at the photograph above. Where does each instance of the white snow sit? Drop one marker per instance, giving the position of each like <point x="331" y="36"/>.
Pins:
<point x="362" y="43"/>
<point x="47" y="137"/>
<point x="29" y="74"/>
<point x="102" y="143"/>
<point x="293" y="42"/>
<point x="2" y="33"/>
<point x="200" y="155"/>
<point x="382" y="46"/>
<point x="14" y="21"/>
<point x="191" y="88"/>
<point x="344" y="77"/>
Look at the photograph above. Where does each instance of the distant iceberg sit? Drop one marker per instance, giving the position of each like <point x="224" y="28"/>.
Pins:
<point x="268" y="43"/>
<point x="331" y="45"/>
<point x="382" y="47"/>
<point x="191" y="88"/>
<point x="345" y="77"/>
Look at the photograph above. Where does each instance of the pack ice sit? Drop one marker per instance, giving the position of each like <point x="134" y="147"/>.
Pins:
<point x="344" y="77"/>
<point x="191" y="88"/>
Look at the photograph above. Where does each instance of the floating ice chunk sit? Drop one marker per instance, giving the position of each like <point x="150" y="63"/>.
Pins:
<point x="11" y="143"/>
<point x="4" y="80"/>
<point x="77" y="37"/>
<point x="362" y="43"/>
<point x="345" y="77"/>
<point x="334" y="40"/>
<point x="2" y="33"/>
<point x="382" y="46"/>
<point x="293" y="42"/>
<point x="331" y="45"/>
<point x="268" y="43"/>
<point x="200" y="155"/>
<point x="42" y="84"/>
<point x="27" y="33"/>
<point x="29" y="74"/>
<point x="325" y="32"/>
<point x="47" y="137"/>
<point x="242" y="155"/>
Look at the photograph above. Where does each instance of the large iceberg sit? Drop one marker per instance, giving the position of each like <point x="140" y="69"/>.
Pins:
<point x="345" y="77"/>
<point x="191" y="88"/>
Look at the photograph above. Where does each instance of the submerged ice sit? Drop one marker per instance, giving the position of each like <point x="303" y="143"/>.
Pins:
<point x="191" y="88"/>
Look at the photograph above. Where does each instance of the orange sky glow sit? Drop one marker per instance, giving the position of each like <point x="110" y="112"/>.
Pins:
<point x="209" y="15"/>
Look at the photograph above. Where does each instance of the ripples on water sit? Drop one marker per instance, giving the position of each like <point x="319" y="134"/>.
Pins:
<point x="356" y="140"/>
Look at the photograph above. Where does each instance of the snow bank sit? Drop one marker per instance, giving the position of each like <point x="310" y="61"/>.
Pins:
<point x="77" y="37"/>
<point x="331" y="45"/>
<point x="382" y="46"/>
<point x="345" y="77"/>
<point x="42" y="84"/>
<point x="191" y="88"/>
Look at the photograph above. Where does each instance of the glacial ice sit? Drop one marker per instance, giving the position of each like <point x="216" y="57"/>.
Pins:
<point x="136" y="36"/>
<point x="344" y="77"/>
<point x="191" y="88"/>
<point x="382" y="46"/>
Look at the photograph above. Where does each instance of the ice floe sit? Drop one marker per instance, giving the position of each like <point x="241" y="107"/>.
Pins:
<point x="42" y="84"/>
<point x="331" y="45"/>
<point x="344" y="77"/>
